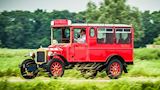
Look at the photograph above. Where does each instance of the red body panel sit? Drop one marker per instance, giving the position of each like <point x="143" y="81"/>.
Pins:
<point x="92" y="51"/>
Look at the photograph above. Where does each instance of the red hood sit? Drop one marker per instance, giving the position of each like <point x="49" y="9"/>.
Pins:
<point x="58" y="47"/>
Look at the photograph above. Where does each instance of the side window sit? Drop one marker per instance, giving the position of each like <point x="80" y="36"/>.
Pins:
<point x="79" y="35"/>
<point x="92" y="32"/>
<point x="77" y="32"/>
<point x="105" y="35"/>
<point x="57" y="34"/>
<point x="123" y="36"/>
<point x="67" y="33"/>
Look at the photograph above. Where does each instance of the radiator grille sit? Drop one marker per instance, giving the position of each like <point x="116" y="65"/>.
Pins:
<point x="40" y="56"/>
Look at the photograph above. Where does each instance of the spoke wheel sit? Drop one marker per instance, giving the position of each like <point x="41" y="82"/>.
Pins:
<point x="29" y="69"/>
<point x="56" y="68"/>
<point x="114" y="69"/>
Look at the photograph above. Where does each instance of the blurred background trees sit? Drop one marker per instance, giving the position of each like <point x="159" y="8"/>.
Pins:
<point x="116" y="11"/>
<point x="25" y="29"/>
<point x="157" y="40"/>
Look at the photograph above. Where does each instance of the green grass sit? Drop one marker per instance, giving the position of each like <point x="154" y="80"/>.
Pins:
<point x="147" y="54"/>
<point x="10" y="59"/>
<point x="146" y="63"/>
<point x="65" y="85"/>
<point x="145" y="68"/>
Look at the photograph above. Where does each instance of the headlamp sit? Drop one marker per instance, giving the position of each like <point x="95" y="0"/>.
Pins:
<point x="50" y="53"/>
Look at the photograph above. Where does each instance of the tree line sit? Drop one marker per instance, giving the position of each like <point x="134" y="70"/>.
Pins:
<point x="25" y="29"/>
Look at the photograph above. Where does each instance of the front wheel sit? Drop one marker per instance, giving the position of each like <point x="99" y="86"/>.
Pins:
<point x="55" y="68"/>
<point x="114" y="69"/>
<point x="29" y="69"/>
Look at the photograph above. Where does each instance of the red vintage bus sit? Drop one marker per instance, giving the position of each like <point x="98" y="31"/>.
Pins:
<point x="90" y="48"/>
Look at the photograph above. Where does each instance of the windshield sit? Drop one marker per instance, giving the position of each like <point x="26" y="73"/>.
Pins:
<point x="61" y="35"/>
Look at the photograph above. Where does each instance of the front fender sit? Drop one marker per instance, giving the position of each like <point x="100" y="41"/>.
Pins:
<point x="64" y="60"/>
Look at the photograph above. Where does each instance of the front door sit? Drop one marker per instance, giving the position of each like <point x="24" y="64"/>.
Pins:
<point x="80" y="44"/>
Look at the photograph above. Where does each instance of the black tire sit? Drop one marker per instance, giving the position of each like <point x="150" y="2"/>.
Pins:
<point x="51" y="67"/>
<point x="24" y="69"/>
<point x="114" y="69"/>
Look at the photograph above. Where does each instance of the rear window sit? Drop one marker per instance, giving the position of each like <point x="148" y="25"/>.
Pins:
<point x="123" y="35"/>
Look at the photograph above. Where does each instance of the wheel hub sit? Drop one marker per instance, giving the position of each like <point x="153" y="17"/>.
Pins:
<point x="56" y="69"/>
<point x="115" y="69"/>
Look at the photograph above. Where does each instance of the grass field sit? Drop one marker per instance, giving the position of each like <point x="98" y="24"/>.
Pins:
<point x="121" y="84"/>
<point x="146" y="65"/>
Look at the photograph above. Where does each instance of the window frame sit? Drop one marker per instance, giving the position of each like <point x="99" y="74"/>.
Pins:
<point x="105" y="32"/>
<point x="73" y="30"/>
<point x="122" y="32"/>
<point x="90" y="32"/>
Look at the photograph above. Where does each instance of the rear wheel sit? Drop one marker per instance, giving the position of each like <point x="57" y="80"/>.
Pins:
<point x="55" y="68"/>
<point x="114" y="69"/>
<point x="29" y="69"/>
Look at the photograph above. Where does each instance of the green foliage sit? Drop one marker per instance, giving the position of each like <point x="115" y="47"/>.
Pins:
<point x="10" y="59"/>
<point x="24" y="29"/>
<point x="72" y="74"/>
<point x="73" y="85"/>
<point x="147" y="68"/>
<point x="92" y="13"/>
<point x="115" y="12"/>
<point x="157" y="40"/>
<point x="147" y="54"/>
<point x="146" y="63"/>
<point x="151" y="25"/>
<point x="146" y="24"/>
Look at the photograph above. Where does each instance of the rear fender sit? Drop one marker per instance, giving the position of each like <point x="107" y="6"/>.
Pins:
<point x="112" y="57"/>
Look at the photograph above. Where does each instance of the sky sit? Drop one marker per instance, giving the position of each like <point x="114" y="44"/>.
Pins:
<point x="71" y="5"/>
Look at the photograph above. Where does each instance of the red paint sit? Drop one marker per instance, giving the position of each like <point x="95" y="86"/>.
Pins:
<point x="60" y="22"/>
<point x="115" y="69"/>
<point x="56" y="69"/>
<point x="91" y="51"/>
